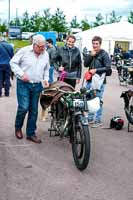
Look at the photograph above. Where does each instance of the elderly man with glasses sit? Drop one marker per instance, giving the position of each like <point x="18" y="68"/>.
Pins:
<point x="31" y="68"/>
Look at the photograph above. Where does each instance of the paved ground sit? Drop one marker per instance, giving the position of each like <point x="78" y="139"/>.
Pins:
<point x="47" y="171"/>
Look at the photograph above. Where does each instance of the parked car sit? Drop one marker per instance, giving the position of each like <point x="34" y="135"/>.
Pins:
<point x="26" y="35"/>
<point x="14" y="32"/>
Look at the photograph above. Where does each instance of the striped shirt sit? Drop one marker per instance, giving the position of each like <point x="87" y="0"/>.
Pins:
<point x="25" y="61"/>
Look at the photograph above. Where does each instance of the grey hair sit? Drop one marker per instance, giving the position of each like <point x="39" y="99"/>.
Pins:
<point x="38" y="38"/>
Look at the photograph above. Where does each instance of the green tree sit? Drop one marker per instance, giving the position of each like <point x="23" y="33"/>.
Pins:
<point x="12" y="22"/>
<point x="99" y="20"/>
<point x="113" y="17"/>
<point x="74" y="23"/>
<point x="46" y="20"/>
<point x="130" y="17"/>
<point x="85" y="25"/>
<point x="17" y="22"/>
<point x="58" y="22"/>
<point x="3" y="27"/>
<point x="26" y="22"/>
<point x="35" y="22"/>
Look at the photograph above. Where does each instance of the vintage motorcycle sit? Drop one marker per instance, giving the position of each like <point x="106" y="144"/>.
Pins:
<point x="125" y="74"/>
<point x="69" y="118"/>
<point x="128" y="105"/>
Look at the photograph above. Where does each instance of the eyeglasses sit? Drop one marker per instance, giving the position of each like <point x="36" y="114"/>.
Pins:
<point x="40" y="46"/>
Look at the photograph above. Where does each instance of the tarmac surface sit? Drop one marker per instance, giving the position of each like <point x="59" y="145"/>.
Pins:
<point x="47" y="171"/>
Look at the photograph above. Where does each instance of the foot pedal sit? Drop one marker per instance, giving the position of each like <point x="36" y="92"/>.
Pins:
<point x="50" y="129"/>
<point x="51" y="134"/>
<point x="50" y="112"/>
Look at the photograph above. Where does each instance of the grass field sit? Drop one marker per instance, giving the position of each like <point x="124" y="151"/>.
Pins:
<point x="21" y="43"/>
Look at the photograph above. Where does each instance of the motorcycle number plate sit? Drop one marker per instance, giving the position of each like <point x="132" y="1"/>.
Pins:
<point x="78" y="103"/>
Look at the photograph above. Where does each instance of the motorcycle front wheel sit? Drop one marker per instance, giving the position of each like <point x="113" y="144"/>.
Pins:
<point x="81" y="145"/>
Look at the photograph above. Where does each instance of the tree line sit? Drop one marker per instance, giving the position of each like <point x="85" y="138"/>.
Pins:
<point x="57" y="21"/>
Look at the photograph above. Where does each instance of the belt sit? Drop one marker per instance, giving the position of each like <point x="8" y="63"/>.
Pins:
<point x="34" y="82"/>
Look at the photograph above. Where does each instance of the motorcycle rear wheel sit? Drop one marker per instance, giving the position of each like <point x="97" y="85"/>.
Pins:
<point x="129" y="115"/>
<point x="81" y="146"/>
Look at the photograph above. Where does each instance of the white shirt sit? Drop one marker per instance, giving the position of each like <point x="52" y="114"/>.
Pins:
<point x="25" y="61"/>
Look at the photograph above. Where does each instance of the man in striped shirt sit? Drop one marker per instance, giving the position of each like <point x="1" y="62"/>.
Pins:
<point x="31" y="68"/>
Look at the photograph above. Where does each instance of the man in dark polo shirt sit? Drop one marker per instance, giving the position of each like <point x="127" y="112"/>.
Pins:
<point x="6" y="53"/>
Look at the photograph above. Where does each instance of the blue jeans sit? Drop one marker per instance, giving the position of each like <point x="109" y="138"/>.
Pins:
<point x="51" y="74"/>
<point x="98" y="115"/>
<point x="28" y="97"/>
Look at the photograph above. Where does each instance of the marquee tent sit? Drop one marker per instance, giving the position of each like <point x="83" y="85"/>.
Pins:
<point x="121" y="31"/>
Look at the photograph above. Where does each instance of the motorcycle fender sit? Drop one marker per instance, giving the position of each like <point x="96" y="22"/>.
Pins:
<point x="83" y="120"/>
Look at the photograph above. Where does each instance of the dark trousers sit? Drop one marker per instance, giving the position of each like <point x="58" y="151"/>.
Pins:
<point x="5" y="73"/>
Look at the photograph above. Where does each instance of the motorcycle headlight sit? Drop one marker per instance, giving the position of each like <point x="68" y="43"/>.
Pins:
<point x="93" y="105"/>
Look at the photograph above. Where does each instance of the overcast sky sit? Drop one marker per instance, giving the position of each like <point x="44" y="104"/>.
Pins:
<point x="82" y="9"/>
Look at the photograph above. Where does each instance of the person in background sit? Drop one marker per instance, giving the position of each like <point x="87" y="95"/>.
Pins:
<point x="6" y="53"/>
<point x="68" y="59"/>
<point x="99" y="62"/>
<point x="116" y="49"/>
<point x="31" y="38"/>
<point x="31" y="68"/>
<point x="51" y="49"/>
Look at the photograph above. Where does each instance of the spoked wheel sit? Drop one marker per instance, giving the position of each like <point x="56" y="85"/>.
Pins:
<point x="81" y="146"/>
<point x="120" y="76"/>
<point x="121" y="79"/>
<point x="129" y="115"/>
<point x="53" y="121"/>
<point x="123" y="76"/>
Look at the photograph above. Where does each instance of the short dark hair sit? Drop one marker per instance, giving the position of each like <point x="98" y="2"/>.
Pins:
<point x="71" y="36"/>
<point x="49" y="40"/>
<point x="97" y="38"/>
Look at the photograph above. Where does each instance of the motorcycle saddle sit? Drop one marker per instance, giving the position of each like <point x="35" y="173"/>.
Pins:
<point x="52" y="94"/>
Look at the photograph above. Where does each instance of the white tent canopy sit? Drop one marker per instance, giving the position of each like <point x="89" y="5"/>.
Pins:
<point x="120" y="31"/>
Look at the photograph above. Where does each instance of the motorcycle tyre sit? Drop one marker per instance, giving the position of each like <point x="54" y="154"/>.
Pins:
<point x="81" y="159"/>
